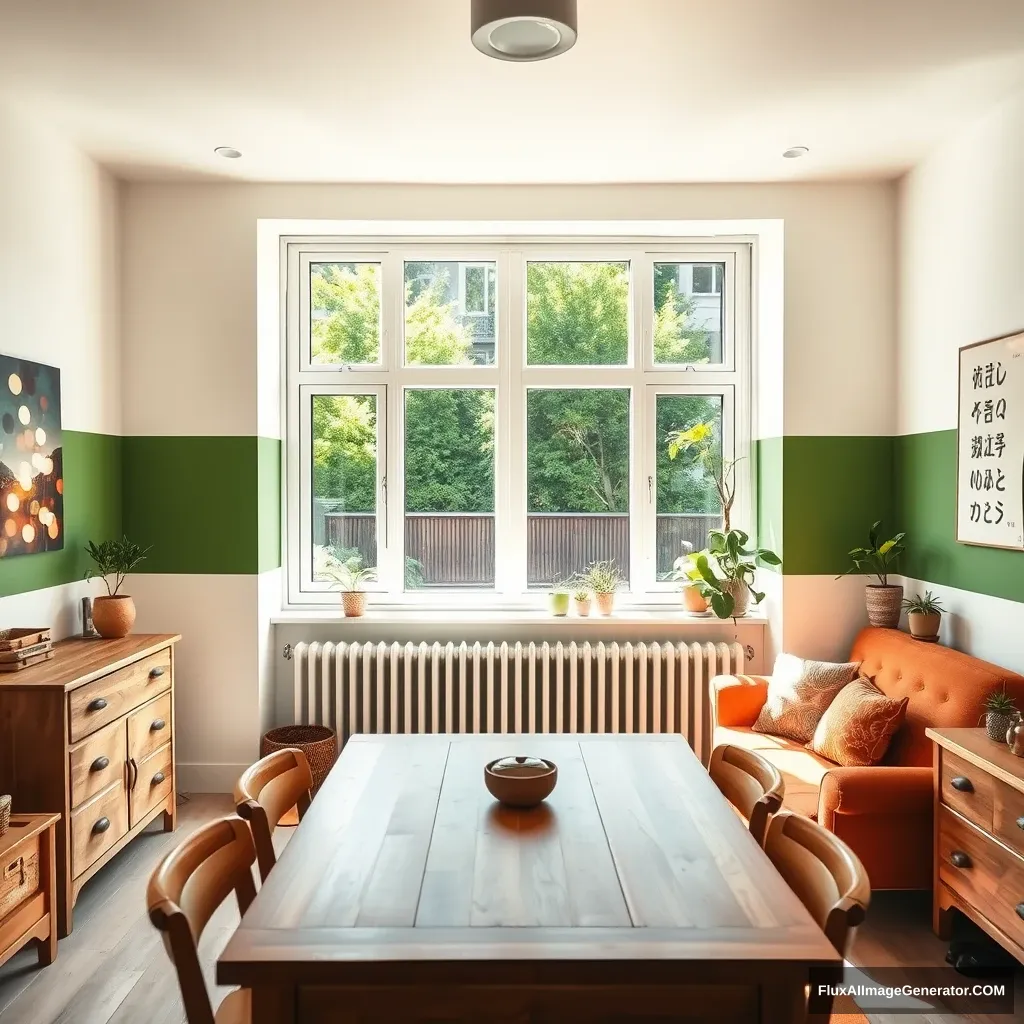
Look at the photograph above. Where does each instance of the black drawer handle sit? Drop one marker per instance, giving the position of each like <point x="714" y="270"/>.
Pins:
<point x="101" y="826"/>
<point x="158" y="778"/>
<point x="158" y="724"/>
<point x="156" y="673"/>
<point x="97" y="704"/>
<point x="959" y="859"/>
<point x="1020" y="910"/>
<point x="99" y="764"/>
<point x="962" y="783"/>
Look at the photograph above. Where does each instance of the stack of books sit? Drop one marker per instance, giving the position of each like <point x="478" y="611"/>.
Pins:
<point x="20" y="648"/>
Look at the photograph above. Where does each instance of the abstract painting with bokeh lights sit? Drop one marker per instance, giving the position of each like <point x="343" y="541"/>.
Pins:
<point x="31" y="466"/>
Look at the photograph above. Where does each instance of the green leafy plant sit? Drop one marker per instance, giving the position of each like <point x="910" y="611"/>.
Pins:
<point x="999" y="702"/>
<point x="728" y="562"/>
<point x="702" y="443"/>
<point x="114" y="558"/>
<point x="927" y="605"/>
<point x="580" y="593"/>
<point x="879" y="558"/>
<point x="603" y="577"/>
<point x="684" y="571"/>
<point x="342" y="568"/>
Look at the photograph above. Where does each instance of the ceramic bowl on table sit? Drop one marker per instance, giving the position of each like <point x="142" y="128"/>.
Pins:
<point x="520" y="782"/>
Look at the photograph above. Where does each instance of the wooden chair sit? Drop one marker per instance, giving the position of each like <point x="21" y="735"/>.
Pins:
<point x="750" y="783"/>
<point x="188" y="885"/>
<point x="266" y="792"/>
<point x="826" y="876"/>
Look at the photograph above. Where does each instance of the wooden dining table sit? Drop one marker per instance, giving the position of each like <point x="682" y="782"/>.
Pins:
<point x="634" y="893"/>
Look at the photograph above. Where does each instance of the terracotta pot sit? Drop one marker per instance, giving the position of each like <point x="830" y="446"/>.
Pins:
<point x="740" y="595"/>
<point x="884" y="605"/>
<point x="605" y="603"/>
<point x="353" y="603"/>
<point x="924" y="625"/>
<point x="694" y="601"/>
<point x="113" y="617"/>
<point x="558" y="603"/>
<point x="582" y="606"/>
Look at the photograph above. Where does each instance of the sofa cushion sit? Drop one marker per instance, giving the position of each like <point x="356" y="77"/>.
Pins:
<point x="946" y="688"/>
<point x="799" y="691"/>
<point x="802" y="770"/>
<point x="858" y="725"/>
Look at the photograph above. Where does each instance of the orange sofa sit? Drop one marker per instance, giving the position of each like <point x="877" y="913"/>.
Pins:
<point x="884" y="812"/>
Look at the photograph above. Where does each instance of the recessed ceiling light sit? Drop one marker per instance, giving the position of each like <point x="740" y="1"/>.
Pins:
<point x="795" y="151"/>
<point x="228" y="152"/>
<point x="523" y="30"/>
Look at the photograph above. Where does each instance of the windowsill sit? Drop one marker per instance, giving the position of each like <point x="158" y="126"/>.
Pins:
<point x="404" y="615"/>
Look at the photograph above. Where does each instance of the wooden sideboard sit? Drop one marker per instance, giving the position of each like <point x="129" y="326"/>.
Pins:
<point x="979" y="835"/>
<point x="91" y="733"/>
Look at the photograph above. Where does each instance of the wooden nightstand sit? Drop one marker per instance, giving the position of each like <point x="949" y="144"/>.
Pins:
<point x="979" y="835"/>
<point x="28" y="886"/>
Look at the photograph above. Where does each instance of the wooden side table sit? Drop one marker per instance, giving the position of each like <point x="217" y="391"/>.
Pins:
<point x="28" y="886"/>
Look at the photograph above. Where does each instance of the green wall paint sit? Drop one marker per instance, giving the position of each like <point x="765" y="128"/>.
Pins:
<point x="92" y="511"/>
<point x="269" y="501"/>
<point x="926" y="507"/>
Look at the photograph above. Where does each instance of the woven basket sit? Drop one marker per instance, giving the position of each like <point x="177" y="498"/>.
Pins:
<point x="317" y="742"/>
<point x="5" y="814"/>
<point x="18" y="881"/>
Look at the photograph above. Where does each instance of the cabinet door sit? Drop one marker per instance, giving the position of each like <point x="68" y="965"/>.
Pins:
<point x="149" y="728"/>
<point x="151" y="784"/>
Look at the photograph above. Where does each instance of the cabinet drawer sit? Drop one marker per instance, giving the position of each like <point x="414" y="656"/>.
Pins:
<point x="149" y="728"/>
<point x="98" y="703"/>
<point x="97" y="825"/>
<point x="1008" y="816"/>
<point x="152" y="784"/>
<point x="984" y="874"/>
<point x="967" y="789"/>
<point x="19" y="875"/>
<point x="96" y="762"/>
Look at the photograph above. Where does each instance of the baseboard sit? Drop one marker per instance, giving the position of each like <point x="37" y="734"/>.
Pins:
<point x="208" y="778"/>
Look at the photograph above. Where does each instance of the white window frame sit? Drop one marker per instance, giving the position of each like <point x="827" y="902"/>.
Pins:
<point x="511" y="377"/>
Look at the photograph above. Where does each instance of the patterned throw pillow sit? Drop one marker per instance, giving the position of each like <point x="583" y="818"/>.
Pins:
<point x="799" y="691"/>
<point x="858" y="725"/>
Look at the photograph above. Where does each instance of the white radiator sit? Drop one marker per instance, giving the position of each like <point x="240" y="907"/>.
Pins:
<point x="511" y="688"/>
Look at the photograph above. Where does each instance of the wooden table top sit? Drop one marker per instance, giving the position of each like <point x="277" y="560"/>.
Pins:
<point x="404" y="858"/>
<point x="974" y="746"/>
<point x="22" y="827"/>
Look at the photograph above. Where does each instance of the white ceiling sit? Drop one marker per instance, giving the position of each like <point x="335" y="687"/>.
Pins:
<point x="392" y="90"/>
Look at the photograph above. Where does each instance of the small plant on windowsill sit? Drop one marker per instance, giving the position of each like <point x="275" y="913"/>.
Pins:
<point x="348" y="575"/>
<point x="604" y="579"/>
<point x="696" y="593"/>
<point x="581" y="599"/>
<point x="113" y="615"/>
<point x="728" y="569"/>
<point x="558" y="600"/>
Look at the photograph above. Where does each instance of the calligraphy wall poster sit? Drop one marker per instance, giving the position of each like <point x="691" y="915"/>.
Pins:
<point x="31" y="463"/>
<point x="990" y="444"/>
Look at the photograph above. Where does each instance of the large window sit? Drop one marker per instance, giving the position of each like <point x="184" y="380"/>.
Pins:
<point x="478" y="420"/>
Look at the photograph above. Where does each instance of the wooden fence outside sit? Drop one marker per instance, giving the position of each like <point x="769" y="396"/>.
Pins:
<point x="457" y="549"/>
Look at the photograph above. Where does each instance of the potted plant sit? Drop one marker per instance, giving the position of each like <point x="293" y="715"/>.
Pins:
<point x="728" y="568"/>
<point x="558" y="600"/>
<point x="884" y="600"/>
<point x="923" y="616"/>
<point x="113" y="614"/>
<point x="603" y="578"/>
<point x="1000" y="712"/>
<point x="703" y="444"/>
<point x="695" y="592"/>
<point x="349" y="574"/>
<point x="581" y="599"/>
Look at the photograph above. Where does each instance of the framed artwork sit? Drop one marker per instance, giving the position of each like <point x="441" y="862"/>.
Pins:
<point x="31" y="458"/>
<point x="990" y="444"/>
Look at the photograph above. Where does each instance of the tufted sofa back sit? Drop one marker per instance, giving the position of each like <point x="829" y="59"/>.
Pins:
<point x="946" y="688"/>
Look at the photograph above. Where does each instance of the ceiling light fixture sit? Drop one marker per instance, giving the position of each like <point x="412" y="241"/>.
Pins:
<point x="523" y="30"/>
<point x="228" y="152"/>
<point x="795" y="152"/>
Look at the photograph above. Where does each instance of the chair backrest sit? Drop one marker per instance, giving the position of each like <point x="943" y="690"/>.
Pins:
<point x="266" y="792"/>
<point x="751" y="784"/>
<point x="822" y="871"/>
<point x="945" y="688"/>
<point x="188" y="885"/>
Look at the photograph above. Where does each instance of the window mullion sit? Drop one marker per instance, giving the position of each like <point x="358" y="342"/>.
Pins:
<point x="510" y="521"/>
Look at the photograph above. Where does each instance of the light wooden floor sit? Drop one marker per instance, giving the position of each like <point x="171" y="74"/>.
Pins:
<point x="113" y="967"/>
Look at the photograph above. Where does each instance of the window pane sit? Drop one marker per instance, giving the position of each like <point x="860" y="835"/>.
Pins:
<point x="449" y="313"/>
<point x="577" y="314"/>
<point x="687" y="503"/>
<point x="344" y="482"/>
<point x="449" y="487"/>
<point x="688" y="312"/>
<point x="577" y="452"/>
<point x="344" y="313"/>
